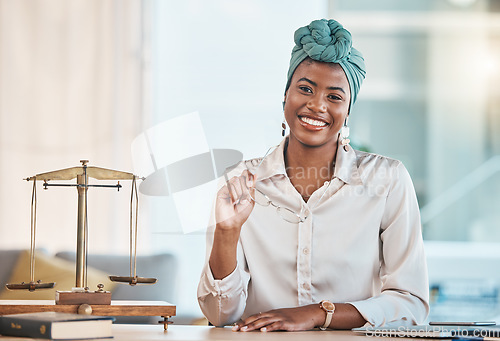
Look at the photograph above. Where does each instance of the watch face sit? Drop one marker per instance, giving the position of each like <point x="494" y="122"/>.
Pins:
<point x="328" y="306"/>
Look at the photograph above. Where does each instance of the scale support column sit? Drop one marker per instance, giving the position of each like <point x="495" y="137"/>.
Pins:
<point x="81" y="239"/>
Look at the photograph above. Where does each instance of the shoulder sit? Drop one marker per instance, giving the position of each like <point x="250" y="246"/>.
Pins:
<point x="372" y="159"/>
<point x="378" y="169"/>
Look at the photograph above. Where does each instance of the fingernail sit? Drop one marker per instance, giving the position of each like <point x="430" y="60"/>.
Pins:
<point x="244" y="329"/>
<point x="235" y="328"/>
<point x="263" y="329"/>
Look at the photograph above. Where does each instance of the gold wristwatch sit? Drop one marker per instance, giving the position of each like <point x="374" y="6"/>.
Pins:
<point x="329" y="308"/>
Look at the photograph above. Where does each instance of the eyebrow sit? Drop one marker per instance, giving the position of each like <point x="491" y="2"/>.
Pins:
<point x="315" y="84"/>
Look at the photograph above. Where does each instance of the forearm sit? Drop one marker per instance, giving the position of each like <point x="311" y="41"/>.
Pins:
<point x="305" y="317"/>
<point x="346" y="316"/>
<point x="223" y="257"/>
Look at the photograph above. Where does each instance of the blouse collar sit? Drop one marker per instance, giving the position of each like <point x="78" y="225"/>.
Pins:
<point x="346" y="165"/>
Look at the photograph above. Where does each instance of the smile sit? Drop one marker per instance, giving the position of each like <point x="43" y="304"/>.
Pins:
<point x="313" y="122"/>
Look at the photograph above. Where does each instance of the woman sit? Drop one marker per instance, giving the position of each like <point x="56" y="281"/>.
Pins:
<point x="338" y="244"/>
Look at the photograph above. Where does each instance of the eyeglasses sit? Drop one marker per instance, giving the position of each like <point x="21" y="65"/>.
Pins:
<point x="263" y="200"/>
<point x="285" y="213"/>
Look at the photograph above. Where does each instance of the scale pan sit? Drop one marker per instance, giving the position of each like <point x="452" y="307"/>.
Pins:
<point x="133" y="280"/>
<point x="31" y="286"/>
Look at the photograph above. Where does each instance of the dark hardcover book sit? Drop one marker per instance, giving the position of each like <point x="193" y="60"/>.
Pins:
<point x="56" y="326"/>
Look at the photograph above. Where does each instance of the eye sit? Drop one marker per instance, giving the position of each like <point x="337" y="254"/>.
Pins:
<point x="305" y="89"/>
<point x="335" y="97"/>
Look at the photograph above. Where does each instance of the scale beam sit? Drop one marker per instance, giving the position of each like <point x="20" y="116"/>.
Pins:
<point x="31" y="286"/>
<point x="92" y="172"/>
<point x="133" y="280"/>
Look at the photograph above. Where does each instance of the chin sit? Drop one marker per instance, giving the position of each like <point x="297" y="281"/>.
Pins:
<point x="315" y="141"/>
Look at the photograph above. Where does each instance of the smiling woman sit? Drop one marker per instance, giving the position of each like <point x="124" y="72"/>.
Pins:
<point x="316" y="107"/>
<point x="357" y="240"/>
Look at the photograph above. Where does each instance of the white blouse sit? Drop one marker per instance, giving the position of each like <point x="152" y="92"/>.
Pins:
<point x="360" y="244"/>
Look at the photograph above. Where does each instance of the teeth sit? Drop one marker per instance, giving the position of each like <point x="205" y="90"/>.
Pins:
<point x="313" y="122"/>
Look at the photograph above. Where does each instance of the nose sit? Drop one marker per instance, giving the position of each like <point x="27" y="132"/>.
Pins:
<point x="316" y="103"/>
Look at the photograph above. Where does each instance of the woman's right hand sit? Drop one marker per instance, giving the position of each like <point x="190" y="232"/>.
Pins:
<point x="234" y="201"/>
<point x="233" y="205"/>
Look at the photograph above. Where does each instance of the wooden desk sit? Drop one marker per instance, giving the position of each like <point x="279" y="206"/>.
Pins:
<point x="131" y="332"/>
<point x="128" y="332"/>
<point x="116" y="308"/>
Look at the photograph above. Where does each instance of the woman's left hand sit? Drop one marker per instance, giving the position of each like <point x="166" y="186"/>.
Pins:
<point x="289" y="319"/>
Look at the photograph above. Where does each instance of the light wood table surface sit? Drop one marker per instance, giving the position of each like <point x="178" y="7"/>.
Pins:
<point x="128" y="332"/>
<point x="137" y="332"/>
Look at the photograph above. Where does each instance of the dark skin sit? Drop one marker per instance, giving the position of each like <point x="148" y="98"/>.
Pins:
<point x="316" y="106"/>
<point x="318" y="92"/>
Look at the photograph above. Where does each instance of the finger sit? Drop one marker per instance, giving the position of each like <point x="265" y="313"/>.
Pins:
<point x="230" y="188"/>
<point x="226" y="188"/>
<point x="249" y="319"/>
<point x="237" y="326"/>
<point x="259" y="323"/>
<point x="223" y="193"/>
<point x="249" y="185"/>
<point x="235" y="189"/>
<point x="240" y="188"/>
<point x="278" y="325"/>
<point x="249" y="177"/>
<point x="245" y="195"/>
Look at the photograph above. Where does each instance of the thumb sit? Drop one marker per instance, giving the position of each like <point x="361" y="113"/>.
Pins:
<point x="250" y="179"/>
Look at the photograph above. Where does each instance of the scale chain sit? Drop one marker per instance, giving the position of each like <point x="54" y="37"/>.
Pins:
<point x="133" y="229"/>
<point x="33" y="232"/>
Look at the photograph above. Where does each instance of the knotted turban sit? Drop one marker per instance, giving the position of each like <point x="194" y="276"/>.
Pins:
<point x="327" y="41"/>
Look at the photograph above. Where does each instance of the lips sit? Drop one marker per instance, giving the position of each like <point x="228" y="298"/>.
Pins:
<point x="312" y="123"/>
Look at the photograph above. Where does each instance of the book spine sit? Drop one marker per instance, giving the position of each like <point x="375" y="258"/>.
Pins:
<point x="17" y="327"/>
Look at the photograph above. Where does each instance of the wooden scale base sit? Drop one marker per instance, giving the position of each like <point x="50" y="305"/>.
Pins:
<point x="116" y="308"/>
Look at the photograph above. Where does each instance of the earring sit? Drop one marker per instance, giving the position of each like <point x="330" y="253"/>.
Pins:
<point x="344" y="136"/>
<point x="283" y="128"/>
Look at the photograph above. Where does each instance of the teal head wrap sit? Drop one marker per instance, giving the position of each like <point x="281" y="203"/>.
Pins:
<point x="327" y="41"/>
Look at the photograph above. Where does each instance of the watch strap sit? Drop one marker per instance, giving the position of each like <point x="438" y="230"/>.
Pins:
<point x="328" y="320"/>
<point x="329" y="315"/>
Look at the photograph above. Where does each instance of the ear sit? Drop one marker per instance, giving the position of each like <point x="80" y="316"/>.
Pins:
<point x="284" y="99"/>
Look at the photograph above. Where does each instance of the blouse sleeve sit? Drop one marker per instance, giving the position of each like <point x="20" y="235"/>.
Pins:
<point x="405" y="289"/>
<point x="223" y="301"/>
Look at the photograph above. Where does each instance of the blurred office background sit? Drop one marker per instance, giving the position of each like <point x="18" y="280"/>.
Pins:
<point x="80" y="79"/>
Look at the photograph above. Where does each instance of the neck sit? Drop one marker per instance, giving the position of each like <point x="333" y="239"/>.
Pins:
<point x="311" y="165"/>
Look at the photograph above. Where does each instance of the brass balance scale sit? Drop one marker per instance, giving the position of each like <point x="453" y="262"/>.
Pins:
<point x="81" y="299"/>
